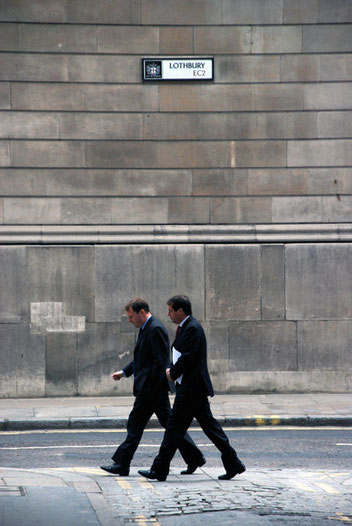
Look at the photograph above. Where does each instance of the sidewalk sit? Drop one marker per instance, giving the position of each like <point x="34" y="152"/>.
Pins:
<point x="312" y="409"/>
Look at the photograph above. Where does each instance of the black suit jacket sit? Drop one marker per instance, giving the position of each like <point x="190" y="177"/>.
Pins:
<point x="191" y="343"/>
<point x="150" y="359"/>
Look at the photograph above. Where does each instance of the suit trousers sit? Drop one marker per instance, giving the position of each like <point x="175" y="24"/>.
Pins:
<point x="143" y="408"/>
<point x="185" y="408"/>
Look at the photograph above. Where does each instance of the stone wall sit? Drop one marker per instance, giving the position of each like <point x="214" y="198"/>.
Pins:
<point x="237" y="192"/>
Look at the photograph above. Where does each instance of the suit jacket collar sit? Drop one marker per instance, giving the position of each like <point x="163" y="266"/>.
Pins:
<point x="186" y="322"/>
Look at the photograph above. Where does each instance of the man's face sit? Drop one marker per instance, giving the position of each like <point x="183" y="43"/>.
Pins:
<point x="136" y="318"/>
<point x="176" y="315"/>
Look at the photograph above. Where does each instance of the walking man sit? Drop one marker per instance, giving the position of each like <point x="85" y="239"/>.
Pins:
<point x="193" y="386"/>
<point x="151" y="357"/>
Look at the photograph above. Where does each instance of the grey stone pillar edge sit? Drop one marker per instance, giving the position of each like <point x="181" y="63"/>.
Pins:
<point x="168" y="234"/>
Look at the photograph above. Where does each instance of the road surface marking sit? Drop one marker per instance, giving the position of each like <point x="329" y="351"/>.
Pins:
<point x="124" y="484"/>
<point x="161" y="430"/>
<point x="305" y="487"/>
<point x="327" y="488"/>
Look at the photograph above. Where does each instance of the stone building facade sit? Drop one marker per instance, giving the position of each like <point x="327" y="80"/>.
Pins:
<point x="235" y="191"/>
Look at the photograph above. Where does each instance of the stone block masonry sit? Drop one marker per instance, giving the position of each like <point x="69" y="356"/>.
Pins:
<point x="237" y="191"/>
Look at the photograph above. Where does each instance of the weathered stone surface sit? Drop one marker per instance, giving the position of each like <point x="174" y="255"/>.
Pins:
<point x="78" y="97"/>
<point x="13" y="285"/>
<point x="273" y="282"/>
<point x="289" y="125"/>
<point x="298" y="181"/>
<point x="253" y="12"/>
<point x="330" y="38"/>
<point x="66" y="182"/>
<point x="260" y="153"/>
<point x="22" y="362"/>
<point x="86" y="211"/>
<point x="285" y="381"/>
<point x="220" y="182"/>
<point x="63" y="274"/>
<point x="47" y="153"/>
<point x="106" y="12"/>
<point x="19" y="11"/>
<point x="240" y="210"/>
<point x="242" y="97"/>
<point x="33" y="67"/>
<point x="262" y="346"/>
<point x="335" y="124"/>
<point x="280" y="97"/>
<point x="181" y="12"/>
<point x="57" y="38"/>
<point x="100" y="126"/>
<point x="329" y="96"/>
<point x="336" y="67"/>
<point x="50" y="316"/>
<point x="222" y="39"/>
<point x="4" y="153"/>
<point x="98" y="68"/>
<point x="296" y="209"/>
<point x="128" y="39"/>
<point x="319" y="153"/>
<point x="300" y="68"/>
<point x="23" y="125"/>
<point x="247" y="69"/>
<point x="218" y="342"/>
<point x="329" y="180"/>
<point x="195" y="154"/>
<point x="318" y="282"/>
<point x="104" y="349"/>
<point x="324" y="345"/>
<point x="188" y="210"/>
<point x="35" y="211"/>
<point x="337" y="208"/>
<point x="277" y="39"/>
<point x="8" y="37"/>
<point x="141" y="211"/>
<point x="124" y="154"/>
<point x="176" y="40"/>
<point x="335" y="11"/>
<point x="22" y="182"/>
<point x="200" y="126"/>
<point x="5" y="96"/>
<point x="232" y="282"/>
<point x="153" y="272"/>
<point x="61" y="364"/>
<point x="301" y="11"/>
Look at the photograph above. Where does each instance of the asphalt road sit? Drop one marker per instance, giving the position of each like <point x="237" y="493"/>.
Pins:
<point x="295" y="476"/>
<point x="264" y="448"/>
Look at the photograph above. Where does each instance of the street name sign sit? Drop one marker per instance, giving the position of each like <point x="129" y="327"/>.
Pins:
<point x="192" y="68"/>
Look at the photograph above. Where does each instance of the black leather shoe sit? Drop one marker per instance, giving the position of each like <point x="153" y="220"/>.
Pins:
<point x="152" y="475"/>
<point x="192" y="467"/>
<point x="237" y="470"/>
<point x="116" y="469"/>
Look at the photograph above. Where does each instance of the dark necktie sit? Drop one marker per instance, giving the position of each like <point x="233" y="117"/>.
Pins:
<point x="140" y="334"/>
<point x="177" y="330"/>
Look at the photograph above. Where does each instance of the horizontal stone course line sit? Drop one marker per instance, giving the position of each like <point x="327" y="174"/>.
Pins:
<point x="175" y="234"/>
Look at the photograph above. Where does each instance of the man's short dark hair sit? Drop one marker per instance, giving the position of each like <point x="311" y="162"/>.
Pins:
<point x="181" y="301"/>
<point x="137" y="304"/>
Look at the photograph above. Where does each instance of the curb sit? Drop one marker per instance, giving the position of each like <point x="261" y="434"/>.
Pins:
<point x="120" y="423"/>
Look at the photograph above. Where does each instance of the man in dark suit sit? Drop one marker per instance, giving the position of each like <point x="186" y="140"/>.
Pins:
<point x="193" y="386"/>
<point x="150" y="359"/>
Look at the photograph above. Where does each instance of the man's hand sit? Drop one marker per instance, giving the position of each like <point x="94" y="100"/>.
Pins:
<point x="168" y="375"/>
<point x="117" y="376"/>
